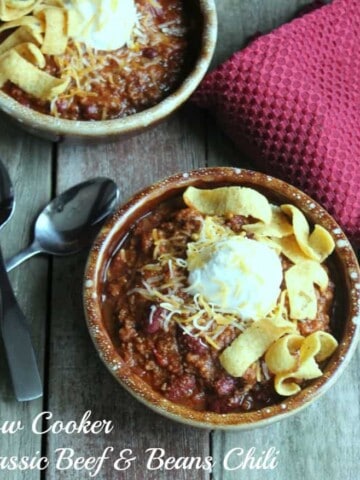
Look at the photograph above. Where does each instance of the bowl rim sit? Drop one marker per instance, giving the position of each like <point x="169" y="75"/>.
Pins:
<point x="127" y="213"/>
<point x="50" y="125"/>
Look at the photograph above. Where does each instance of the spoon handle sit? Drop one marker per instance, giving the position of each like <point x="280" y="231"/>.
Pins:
<point x="23" y="255"/>
<point x="17" y="341"/>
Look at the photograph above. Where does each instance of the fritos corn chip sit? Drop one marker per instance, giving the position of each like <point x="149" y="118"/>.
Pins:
<point x="21" y="53"/>
<point x="250" y="345"/>
<point x="278" y="227"/>
<point x="282" y="354"/>
<point x="229" y="200"/>
<point x="30" y="22"/>
<point x="21" y="35"/>
<point x="300" y="280"/>
<point x="13" y="9"/>
<point x="294" y="357"/>
<point x="319" y="244"/>
<point x="19" y="66"/>
<point x="290" y="248"/>
<point x="55" y="38"/>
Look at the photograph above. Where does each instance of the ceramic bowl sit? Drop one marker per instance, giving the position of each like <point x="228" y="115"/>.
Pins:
<point x="56" y="129"/>
<point x="347" y="325"/>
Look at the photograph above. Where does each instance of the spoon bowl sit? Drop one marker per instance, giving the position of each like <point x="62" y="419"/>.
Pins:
<point x="71" y="221"/>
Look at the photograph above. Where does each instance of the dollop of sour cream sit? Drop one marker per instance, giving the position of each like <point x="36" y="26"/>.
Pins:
<point x="240" y="275"/>
<point x="103" y="24"/>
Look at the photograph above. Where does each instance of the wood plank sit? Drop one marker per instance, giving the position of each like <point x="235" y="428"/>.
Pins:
<point x="78" y="380"/>
<point x="239" y="21"/>
<point x="29" y="163"/>
<point x="324" y="437"/>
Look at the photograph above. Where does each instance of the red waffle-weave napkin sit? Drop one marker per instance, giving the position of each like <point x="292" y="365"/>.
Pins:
<point x="291" y="101"/>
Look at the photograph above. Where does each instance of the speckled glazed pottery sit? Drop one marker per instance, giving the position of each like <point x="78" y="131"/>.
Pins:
<point x="347" y="317"/>
<point x="57" y="129"/>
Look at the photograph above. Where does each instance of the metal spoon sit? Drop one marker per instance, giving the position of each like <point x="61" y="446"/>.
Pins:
<point x="14" y="326"/>
<point x="70" y="222"/>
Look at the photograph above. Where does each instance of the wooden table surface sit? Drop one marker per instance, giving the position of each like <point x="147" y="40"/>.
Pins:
<point x="322" y="442"/>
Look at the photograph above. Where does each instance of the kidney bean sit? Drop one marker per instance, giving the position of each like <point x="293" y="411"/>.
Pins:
<point x="264" y="393"/>
<point x="154" y="320"/>
<point x="181" y="387"/>
<point x="90" y="111"/>
<point x="225" y="386"/>
<point x="62" y="105"/>
<point x="149" y="52"/>
<point x="234" y="403"/>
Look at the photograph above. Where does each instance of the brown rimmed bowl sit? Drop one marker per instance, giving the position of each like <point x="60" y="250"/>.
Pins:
<point x="347" y="325"/>
<point x="57" y="129"/>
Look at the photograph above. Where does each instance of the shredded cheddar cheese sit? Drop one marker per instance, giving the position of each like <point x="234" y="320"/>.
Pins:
<point x="244" y="297"/>
<point x="197" y="316"/>
<point x="80" y="41"/>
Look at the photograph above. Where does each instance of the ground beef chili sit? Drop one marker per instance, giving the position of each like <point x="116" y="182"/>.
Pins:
<point x="184" y="368"/>
<point x="108" y="85"/>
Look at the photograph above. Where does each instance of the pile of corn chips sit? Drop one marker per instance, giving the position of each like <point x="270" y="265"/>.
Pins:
<point x="288" y="355"/>
<point x="38" y="28"/>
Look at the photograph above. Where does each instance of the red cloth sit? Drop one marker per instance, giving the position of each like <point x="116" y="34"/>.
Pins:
<point x="291" y="101"/>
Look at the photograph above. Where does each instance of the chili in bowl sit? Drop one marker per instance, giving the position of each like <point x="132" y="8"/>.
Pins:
<point x="223" y="298"/>
<point x="96" y="69"/>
